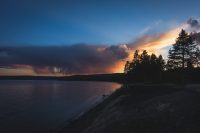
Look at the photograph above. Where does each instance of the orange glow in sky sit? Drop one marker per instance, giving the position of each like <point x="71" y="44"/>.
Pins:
<point x="153" y="44"/>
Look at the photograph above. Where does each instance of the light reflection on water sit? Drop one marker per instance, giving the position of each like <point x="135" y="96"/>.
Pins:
<point x="42" y="106"/>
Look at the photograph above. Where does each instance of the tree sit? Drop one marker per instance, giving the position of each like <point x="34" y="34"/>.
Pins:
<point x="153" y="61"/>
<point x="126" y="68"/>
<point x="145" y="58"/>
<point x="136" y="59"/>
<point x="144" y="67"/>
<point x="184" y="52"/>
<point x="198" y="58"/>
<point x="161" y="63"/>
<point x="129" y="66"/>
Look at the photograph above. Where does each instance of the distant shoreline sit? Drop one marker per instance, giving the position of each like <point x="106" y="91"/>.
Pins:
<point x="114" y="77"/>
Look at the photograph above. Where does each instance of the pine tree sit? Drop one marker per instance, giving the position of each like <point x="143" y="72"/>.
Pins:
<point x="161" y="62"/>
<point x="127" y="67"/>
<point x="183" y="53"/>
<point x="136" y="60"/>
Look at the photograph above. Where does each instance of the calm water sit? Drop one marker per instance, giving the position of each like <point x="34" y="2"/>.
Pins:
<point x="43" y="106"/>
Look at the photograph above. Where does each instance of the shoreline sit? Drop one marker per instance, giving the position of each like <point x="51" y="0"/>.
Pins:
<point x="82" y="114"/>
<point x="109" y="77"/>
<point x="92" y="111"/>
<point x="134" y="108"/>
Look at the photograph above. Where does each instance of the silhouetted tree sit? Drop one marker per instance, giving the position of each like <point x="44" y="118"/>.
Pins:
<point x="161" y="62"/>
<point x="154" y="62"/>
<point x="126" y="68"/>
<point x="136" y="59"/>
<point x="183" y="53"/>
<point x="144" y="67"/>
<point x="198" y="57"/>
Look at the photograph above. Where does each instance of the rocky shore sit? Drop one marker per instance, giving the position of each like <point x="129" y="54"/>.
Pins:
<point x="143" y="108"/>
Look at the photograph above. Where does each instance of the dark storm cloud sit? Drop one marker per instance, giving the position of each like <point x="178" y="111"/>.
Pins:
<point x="197" y="37"/>
<point x="72" y="59"/>
<point x="193" y="23"/>
<point x="195" y="28"/>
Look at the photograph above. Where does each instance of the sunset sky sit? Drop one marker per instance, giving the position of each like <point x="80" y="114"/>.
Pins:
<point x="56" y="37"/>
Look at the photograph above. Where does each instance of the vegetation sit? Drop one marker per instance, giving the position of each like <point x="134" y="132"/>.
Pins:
<point x="145" y="67"/>
<point x="184" y="53"/>
<point x="183" y="60"/>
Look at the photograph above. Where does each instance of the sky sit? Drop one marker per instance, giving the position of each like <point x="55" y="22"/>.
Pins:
<point x="39" y="37"/>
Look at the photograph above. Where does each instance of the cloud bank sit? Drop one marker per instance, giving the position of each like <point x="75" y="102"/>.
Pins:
<point x="86" y="58"/>
<point x="74" y="59"/>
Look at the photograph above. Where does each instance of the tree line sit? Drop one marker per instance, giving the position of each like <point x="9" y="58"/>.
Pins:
<point x="183" y="61"/>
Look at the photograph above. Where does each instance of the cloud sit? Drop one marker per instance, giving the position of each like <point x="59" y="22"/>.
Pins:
<point x="195" y="29"/>
<point x="160" y="42"/>
<point x="194" y="23"/>
<point x="153" y="43"/>
<point x="197" y="37"/>
<point x="90" y="58"/>
<point x="74" y="59"/>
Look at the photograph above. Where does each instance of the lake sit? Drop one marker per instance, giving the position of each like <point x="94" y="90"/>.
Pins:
<point x="45" y="106"/>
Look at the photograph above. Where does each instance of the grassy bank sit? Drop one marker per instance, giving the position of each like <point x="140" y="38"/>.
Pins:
<point x="143" y="108"/>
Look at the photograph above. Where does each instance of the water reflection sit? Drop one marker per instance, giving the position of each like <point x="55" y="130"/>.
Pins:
<point x="42" y="106"/>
